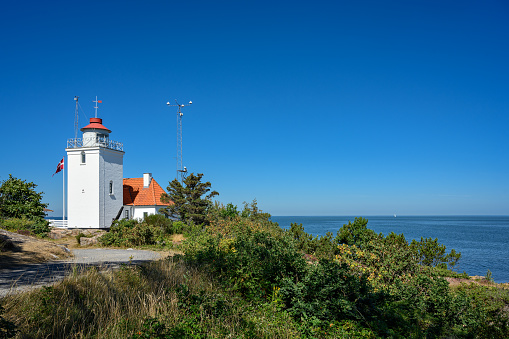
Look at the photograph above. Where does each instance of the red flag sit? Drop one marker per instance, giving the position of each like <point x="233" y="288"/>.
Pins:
<point x="100" y="101"/>
<point x="60" y="166"/>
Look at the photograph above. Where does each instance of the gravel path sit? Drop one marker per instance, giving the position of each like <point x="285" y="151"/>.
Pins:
<point x="24" y="277"/>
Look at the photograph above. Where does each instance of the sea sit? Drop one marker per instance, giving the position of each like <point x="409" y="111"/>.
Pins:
<point x="482" y="240"/>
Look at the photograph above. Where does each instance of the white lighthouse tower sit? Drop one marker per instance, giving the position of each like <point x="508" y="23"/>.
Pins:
<point x="94" y="177"/>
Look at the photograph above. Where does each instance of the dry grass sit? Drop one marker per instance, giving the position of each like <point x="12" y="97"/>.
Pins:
<point x="177" y="238"/>
<point x="28" y="250"/>
<point x="94" y="303"/>
<point x="475" y="280"/>
<point x="91" y="303"/>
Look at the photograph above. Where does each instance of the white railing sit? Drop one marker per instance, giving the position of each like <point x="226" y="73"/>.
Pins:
<point x="59" y="223"/>
<point x="87" y="142"/>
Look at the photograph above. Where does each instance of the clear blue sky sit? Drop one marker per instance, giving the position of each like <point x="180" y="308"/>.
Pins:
<point x="313" y="108"/>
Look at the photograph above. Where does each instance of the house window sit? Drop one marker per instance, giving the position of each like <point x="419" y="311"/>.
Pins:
<point x="126" y="214"/>
<point x="83" y="157"/>
<point x="145" y="214"/>
<point x="111" y="187"/>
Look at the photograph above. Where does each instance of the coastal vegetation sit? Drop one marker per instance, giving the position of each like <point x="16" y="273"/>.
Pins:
<point x="243" y="276"/>
<point x="190" y="200"/>
<point x="21" y="207"/>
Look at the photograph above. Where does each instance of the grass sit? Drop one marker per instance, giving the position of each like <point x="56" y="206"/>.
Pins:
<point x="166" y="298"/>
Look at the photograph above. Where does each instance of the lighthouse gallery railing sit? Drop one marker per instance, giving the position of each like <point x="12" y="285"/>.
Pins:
<point x="93" y="142"/>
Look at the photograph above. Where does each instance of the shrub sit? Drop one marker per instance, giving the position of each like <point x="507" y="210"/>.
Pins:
<point x="229" y="211"/>
<point x="330" y="292"/>
<point x="431" y="253"/>
<point x="131" y="233"/>
<point x="178" y="227"/>
<point x="356" y="233"/>
<point x="159" y="221"/>
<point x="38" y="227"/>
<point x="252" y="261"/>
<point x="19" y="199"/>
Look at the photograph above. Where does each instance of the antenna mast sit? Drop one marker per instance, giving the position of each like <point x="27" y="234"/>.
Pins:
<point x="96" y="105"/>
<point x="76" y="119"/>
<point x="181" y="170"/>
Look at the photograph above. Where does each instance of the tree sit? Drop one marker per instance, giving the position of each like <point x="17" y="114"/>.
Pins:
<point x="357" y="234"/>
<point x="18" y="199"/>
<point x="430" y="252"/>
<point x="190" y="201"/>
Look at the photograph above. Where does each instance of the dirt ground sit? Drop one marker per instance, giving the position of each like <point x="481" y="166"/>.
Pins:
<point x="18" y="249"/>
<point x="478" y="280"/>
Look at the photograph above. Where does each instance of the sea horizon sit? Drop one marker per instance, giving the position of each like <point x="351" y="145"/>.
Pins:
<point x="481" y="239"/>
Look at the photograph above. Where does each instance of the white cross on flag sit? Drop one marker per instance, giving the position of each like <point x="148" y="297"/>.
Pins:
<point x="60" y="166"/>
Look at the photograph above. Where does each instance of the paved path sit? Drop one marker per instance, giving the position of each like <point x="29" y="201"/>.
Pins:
<point x="24" y="277"/>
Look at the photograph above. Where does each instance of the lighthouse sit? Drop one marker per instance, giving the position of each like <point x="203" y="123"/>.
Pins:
<point x="94" y="177"/>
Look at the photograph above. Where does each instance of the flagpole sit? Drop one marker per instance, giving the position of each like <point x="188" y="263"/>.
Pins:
<point x="63" y="191"/>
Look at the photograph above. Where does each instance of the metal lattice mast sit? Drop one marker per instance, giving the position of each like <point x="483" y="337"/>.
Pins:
<point x="181" y="169"/>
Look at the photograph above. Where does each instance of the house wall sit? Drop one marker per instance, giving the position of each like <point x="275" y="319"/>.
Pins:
<point x="83" y="188"/>
<point x="136" y="212"/>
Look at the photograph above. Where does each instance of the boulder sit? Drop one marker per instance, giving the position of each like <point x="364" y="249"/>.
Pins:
<point x="84" y="241"/>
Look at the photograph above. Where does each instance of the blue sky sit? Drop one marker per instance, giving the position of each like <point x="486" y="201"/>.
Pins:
<point x="313" y="108"/>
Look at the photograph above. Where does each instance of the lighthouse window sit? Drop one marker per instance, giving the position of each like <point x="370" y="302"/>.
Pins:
<point x="111" y="187"/>
<point x="83" y="157"/>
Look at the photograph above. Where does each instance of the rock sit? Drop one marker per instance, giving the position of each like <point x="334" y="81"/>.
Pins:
<point x="57" y="233"/>
<point x="55" y="236"/>
<point x="84" y="241"/>
<point x="7" y="245"/>
<point x="65" y="248"/>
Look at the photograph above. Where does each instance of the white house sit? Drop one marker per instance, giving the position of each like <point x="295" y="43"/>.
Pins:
<point x="142" y="197"/>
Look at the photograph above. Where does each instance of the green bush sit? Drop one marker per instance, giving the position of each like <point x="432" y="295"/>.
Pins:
<point x="38" y="227"/>
<point x="229" y="211"/>
<point x="431" y="253"/>
<point x="19" y="199"/>
<point x="178" y="227"/>
<point x="329" y="292"/>
<point x="168" y="226"/>
<point x="356" y="233"/>
<point x="485" y="311"/>
<point x="159" y="221"/>
<point x="252" y="262"/>
<point x="131" y="233"/>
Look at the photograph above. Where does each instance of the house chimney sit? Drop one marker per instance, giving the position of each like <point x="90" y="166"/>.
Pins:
<point x="147" y="177"/>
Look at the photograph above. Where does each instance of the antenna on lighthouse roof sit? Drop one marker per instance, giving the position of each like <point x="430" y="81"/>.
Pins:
<point x="181" y="170"/>
<point x="76" y="118"/>
<point x="96" y="106"/>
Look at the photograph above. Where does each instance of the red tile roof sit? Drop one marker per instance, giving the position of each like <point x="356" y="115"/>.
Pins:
<point x="135" y="194"/>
